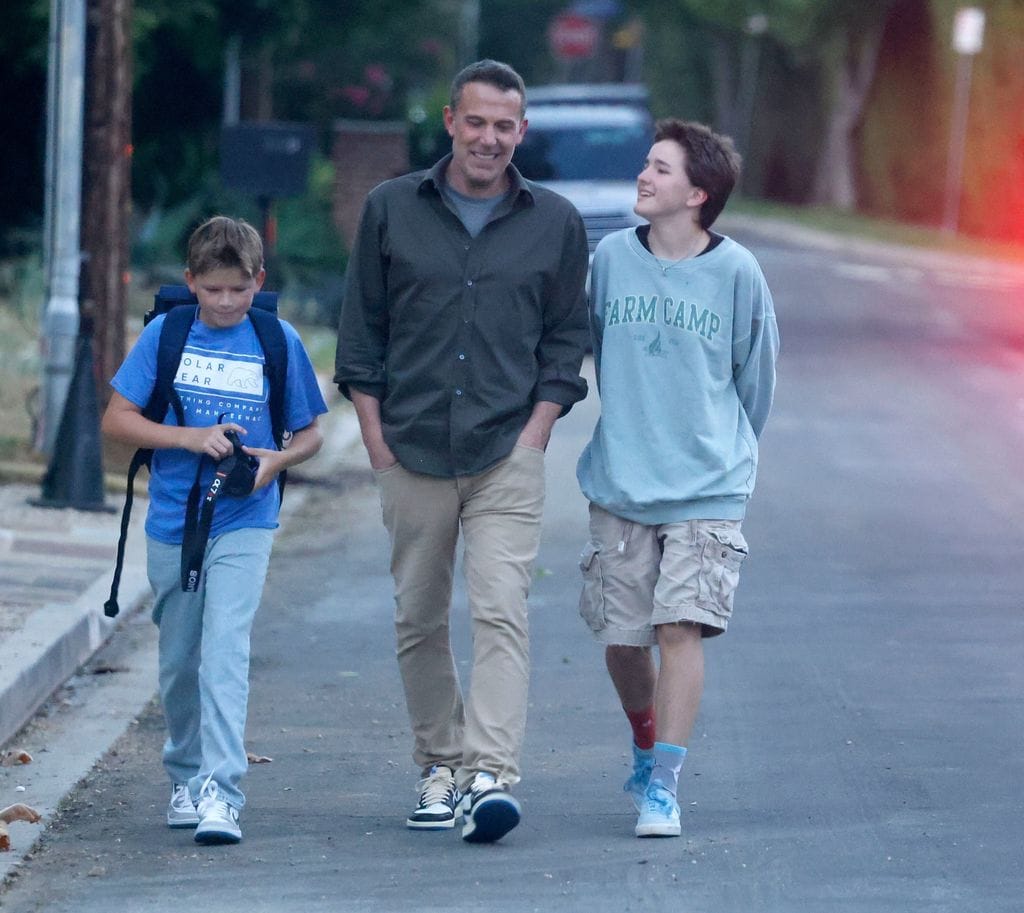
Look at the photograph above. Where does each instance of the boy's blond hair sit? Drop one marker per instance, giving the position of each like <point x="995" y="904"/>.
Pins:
<point x="225" y="243"/>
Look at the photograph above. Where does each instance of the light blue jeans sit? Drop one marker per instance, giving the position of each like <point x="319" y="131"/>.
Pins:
<point x="204" y="656"/>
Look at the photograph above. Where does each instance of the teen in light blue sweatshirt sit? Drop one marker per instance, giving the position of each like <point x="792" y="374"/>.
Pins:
<point x="685" y="342"/>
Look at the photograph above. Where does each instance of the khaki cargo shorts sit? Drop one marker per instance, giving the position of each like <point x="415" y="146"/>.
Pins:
<point x="636" y="577"/>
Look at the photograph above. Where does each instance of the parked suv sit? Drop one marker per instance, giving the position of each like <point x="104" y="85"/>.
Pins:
<point x="601" y="93"/>
<point x="590" y="153"/>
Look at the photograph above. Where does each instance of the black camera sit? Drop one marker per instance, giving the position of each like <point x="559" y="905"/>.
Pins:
<point x="237" y="471"/>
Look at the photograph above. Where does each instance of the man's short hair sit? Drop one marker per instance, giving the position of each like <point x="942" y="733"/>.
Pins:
<point x="225" y="243"/>
<point x="494" y="73"/>
<point x="712" y="162"/>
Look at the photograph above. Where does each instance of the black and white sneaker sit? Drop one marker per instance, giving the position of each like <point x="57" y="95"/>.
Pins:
<point x="489" y="810"/>
<point x="439" y="803"/>
<point x="218" y="820"/>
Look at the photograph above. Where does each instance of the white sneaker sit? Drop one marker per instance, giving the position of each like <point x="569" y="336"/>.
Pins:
<point x="659" y="816"/>
<point x="489" y="810"/>
<point x="181" y="810"/>
<point x="439" y="803"/>
<point x="218" y="821"/>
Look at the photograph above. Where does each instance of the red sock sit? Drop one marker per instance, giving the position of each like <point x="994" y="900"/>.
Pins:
<point x="642" y="722"/>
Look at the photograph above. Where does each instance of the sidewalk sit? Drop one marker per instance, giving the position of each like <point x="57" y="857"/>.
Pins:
<point x="55" y="573"/>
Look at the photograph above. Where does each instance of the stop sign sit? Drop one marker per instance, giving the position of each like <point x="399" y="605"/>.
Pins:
<point x="573" y="36"/>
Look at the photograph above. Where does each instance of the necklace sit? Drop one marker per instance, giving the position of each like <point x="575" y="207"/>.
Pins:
<point x="694" y="251"/>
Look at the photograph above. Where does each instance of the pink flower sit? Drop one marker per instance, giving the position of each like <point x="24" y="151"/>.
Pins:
<point x="376" y="75"/>
<point x="358" y="95"/>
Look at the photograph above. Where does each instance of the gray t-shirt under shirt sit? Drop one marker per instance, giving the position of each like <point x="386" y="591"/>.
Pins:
<point x="475" y="212"/>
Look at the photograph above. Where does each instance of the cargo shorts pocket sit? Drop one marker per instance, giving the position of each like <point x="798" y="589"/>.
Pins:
<point x="592" y="595"/>
<point x="721" y="557"/>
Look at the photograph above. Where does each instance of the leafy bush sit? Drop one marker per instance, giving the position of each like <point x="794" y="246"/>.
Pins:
<point x="307" y="267"/>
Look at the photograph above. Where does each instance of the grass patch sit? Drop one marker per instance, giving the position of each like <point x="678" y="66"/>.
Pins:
<point x="19" y="380"/>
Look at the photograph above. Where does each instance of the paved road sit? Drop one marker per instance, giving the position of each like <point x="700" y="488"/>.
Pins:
<point x="860" y="747"/>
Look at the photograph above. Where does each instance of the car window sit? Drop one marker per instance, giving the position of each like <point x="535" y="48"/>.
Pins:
<point x="603" y="153"/>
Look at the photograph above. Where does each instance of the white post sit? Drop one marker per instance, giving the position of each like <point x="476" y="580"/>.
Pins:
<point x="63" y="201"/>
<point x="968" y="32"/>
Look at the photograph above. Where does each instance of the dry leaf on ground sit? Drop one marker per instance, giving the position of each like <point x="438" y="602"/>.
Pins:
<point x="15" y="813"/>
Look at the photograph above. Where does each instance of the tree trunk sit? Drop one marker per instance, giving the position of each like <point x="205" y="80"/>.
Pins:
<point x="836" y="183"/>
<point x="106" y="208"/>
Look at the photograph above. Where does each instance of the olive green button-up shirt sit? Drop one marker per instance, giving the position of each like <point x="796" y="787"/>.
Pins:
<point x="457" y="336"/>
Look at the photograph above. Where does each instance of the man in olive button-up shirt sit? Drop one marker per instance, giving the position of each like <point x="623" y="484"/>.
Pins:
<point x="460" y="341"/>
<point x="459" y="337"/>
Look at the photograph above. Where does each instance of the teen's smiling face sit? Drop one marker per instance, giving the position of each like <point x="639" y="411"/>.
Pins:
<point x="485" y="129"/>
<point x="663" y="188"/>
<point x="225" y="294"/>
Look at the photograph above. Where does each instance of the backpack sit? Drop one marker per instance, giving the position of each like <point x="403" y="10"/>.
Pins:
<point x="173" y="336"/>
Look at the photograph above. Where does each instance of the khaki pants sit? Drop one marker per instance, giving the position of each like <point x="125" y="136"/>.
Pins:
<point x="499" y="512"/>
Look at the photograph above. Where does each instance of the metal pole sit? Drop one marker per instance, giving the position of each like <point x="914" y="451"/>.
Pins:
<point x="957" y="144"/>
<point x="232" y="81"/>
<point x="469" y="31"/>
<point x="49" y="167"/>
<point x="59" y="330"/>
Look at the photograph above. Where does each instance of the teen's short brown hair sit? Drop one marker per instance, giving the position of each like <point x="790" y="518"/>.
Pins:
<point x="225" y="243"/>
<point x="712" y="162"/>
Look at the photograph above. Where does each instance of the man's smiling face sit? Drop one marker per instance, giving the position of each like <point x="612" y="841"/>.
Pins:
<point x="485" y="128"/>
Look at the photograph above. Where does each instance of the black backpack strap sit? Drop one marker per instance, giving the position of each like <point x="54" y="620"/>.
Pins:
<point x="173" y="336"/>
<point x="275" y="365"/>
<point x="140" y="459"/>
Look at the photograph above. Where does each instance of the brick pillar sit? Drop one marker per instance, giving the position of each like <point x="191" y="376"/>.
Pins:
<point x="364" y="153"/>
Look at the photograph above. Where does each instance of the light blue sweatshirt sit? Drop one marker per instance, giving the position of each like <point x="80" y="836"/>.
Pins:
<point x="685" y="359"/>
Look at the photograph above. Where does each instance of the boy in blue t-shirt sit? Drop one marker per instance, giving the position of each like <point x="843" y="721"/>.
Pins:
<point x="204" y="635"/>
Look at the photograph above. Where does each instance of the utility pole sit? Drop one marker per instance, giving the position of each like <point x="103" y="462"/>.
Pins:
<point x="107" y="183"/>
<point x="63" y="180"/>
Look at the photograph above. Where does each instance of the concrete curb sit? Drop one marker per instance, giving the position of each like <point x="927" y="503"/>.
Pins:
<point x="58" y="639"/>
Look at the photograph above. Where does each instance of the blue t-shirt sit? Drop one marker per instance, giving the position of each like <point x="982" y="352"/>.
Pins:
<point x="219" y="379"/>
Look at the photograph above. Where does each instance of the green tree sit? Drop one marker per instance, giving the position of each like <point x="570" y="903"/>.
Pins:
<point x="301" y="60"/>
<point x="836" y="42"/>
<point x="23" y="44"/>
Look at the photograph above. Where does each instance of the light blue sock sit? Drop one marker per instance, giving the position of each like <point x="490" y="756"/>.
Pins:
<point x="668" y="761"/>
<point x="642" y="756"/>
<point x="643" y="763"/>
